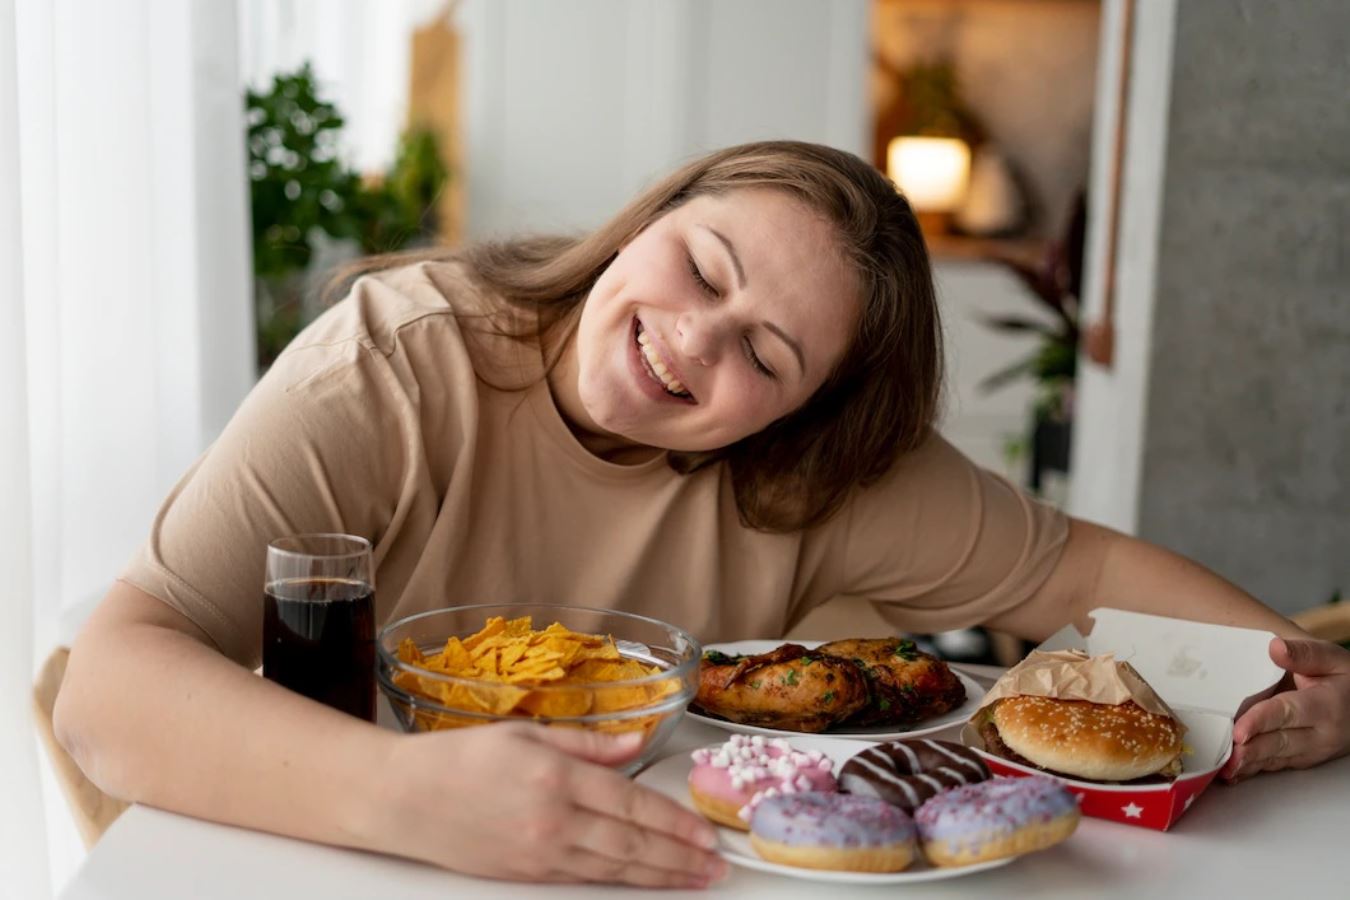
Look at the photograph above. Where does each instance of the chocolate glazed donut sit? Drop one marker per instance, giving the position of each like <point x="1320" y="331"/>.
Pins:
<point x="906" y="773"/>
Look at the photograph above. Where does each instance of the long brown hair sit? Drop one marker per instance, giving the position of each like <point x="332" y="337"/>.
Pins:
<point x="882" y="398"/>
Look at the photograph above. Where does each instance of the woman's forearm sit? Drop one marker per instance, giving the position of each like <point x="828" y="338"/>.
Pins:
<point x="1144" y="577"/>
<point x="155" y="715"/>
<point x="1100" y="567"/>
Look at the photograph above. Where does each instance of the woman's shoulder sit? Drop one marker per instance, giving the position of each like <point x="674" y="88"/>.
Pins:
<point x="381" y="305"/>
<point x="925" y="480"/>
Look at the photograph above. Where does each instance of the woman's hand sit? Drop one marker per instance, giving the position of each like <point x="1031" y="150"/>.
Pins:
<point x="1301" y="727"/>
<point x="529" y="802"/>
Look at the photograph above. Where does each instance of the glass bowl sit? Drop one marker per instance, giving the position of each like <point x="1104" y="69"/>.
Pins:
<point x="425" y="700"/>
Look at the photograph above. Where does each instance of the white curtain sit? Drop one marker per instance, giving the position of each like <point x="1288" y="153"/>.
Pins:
<point x="22" y="866"/>
<point x="127" y="336"/>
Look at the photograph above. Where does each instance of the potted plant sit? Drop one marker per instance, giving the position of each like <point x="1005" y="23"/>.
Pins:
<point x="1056" y="282"/>
<point x="306" y="202"/>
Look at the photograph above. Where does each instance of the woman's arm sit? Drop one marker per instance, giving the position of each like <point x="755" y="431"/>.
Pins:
<point x="1099" y="567"/>
<point x="154" y="714"/>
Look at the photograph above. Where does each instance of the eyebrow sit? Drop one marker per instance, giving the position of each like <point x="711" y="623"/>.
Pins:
<point x="731" y="251"/>
<point x="796" y="348"/>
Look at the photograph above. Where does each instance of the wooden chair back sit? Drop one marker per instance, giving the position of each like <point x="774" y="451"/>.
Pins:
<point x="92" y="809"/>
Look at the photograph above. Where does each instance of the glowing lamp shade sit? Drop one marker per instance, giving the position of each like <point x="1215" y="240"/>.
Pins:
<point x="931" y="172"/>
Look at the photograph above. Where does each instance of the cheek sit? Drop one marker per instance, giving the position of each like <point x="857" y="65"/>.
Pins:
<point x="748" y="403"/>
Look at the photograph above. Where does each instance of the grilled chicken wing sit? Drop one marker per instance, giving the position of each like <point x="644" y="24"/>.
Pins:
<point x="906" y="684"/>
<point x="789" y="688"/>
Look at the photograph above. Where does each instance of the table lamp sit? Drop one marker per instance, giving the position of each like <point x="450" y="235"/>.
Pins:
<point x="932" y="173"/>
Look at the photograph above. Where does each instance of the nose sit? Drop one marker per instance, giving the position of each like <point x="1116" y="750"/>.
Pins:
<point x="696" y="336"/>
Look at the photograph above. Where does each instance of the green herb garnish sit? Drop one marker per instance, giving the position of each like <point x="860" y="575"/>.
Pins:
<point x="717" y="658"/>
<point x="907" y="650"/>
<point x="827" y="697"/>
<point x="790" y="677"/>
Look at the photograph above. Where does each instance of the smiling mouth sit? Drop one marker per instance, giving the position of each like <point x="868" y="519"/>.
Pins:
<point x="656" y="369"/>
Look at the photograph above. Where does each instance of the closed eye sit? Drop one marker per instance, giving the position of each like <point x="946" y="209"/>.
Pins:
<point x="702" y="282"/>
<point x="755" y="361"/>
<point x="704" y="285"/>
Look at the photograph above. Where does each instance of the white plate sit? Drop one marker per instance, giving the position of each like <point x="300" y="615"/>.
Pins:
<point x="974" y="694"/>
<point x="670" y="776"/>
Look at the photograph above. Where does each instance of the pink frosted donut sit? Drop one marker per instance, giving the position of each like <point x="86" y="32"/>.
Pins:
<point x="728" y="780"/>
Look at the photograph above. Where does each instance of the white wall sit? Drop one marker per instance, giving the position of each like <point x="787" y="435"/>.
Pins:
<point x="1109" y="429"/>
<point x="979" y="422"/>
<point x="571" y="108"/>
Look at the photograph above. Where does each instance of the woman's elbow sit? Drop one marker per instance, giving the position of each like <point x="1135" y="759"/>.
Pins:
<point x="78" y="727"/>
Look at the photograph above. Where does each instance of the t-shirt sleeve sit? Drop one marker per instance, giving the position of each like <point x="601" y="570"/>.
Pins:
<point x="320" y="445"/>
<point x="940" y="543"/>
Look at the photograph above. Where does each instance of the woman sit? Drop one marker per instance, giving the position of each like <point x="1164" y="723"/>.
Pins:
<point x="716" y="410"/>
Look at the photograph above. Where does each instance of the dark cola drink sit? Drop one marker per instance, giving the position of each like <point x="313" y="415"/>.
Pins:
<point x="319" y="640"/>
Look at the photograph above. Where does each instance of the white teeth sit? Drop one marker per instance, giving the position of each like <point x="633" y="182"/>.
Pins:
<point x="649" y="353"/>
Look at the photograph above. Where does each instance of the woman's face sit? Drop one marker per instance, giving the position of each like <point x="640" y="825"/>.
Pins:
<point x="722" y="316"/>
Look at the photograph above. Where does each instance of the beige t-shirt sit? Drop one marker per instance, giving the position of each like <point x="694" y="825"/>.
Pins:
<point x="374" y="423"/>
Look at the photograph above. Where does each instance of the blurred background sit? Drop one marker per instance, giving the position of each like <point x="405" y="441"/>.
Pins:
<point x="1139" y="214"/>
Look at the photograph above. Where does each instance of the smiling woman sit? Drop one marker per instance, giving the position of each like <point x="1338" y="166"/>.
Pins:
<point x="715" y="410"/>
<point x="769" y="305"/>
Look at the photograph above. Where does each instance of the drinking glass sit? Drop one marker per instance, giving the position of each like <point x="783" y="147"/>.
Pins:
<point x="319" y="620"/>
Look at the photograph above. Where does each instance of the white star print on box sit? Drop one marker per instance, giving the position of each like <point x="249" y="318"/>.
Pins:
<point x="1132" y="811"/>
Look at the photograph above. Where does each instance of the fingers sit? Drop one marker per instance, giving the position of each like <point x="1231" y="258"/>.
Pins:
<point x="608" y="837"/>
<point x="1290" y="748"/>
<point x="1309" y="657"/>
<point x="594" y="746"/>
<point x="1288" y="710"/>
<point x="586" y="865"/>
<point x="609" y="793"/>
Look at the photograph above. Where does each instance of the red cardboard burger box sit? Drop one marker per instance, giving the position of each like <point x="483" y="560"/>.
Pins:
<point x="1207" y="674"/>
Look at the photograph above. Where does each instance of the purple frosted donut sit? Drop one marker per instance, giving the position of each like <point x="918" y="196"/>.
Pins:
<point x="833" y="831"/>
<point x="906" y="773"/>
<point x="996" y="818"/>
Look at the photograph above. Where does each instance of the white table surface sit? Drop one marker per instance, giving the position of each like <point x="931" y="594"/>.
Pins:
<point x="1266" y="837"/>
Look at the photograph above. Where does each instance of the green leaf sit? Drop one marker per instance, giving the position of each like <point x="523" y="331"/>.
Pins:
<point x="1017" y="323"/>
<point x="790" y="677"/>
<point x="1008" y="374"/>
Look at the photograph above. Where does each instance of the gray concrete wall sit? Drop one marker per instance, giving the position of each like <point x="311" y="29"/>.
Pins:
<point x="1246" y="457"/>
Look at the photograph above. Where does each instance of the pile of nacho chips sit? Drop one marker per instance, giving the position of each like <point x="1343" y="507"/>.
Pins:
<point x="522" y="672"/>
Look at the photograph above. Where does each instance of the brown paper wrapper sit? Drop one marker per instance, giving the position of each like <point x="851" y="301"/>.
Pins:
<point x="1073" y="675"/>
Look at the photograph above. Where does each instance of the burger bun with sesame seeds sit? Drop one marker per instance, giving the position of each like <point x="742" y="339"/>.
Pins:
<point x="1084" y="740"/>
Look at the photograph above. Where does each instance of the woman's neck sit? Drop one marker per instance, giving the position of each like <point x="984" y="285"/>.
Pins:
<point x="562" y="384"/>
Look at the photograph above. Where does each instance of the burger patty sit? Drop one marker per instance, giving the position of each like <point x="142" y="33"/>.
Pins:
<point x="993" y="743"/>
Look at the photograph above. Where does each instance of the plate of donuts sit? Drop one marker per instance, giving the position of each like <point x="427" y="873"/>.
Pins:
<point x="955" y="717"/>
<point x="834" y="810"/>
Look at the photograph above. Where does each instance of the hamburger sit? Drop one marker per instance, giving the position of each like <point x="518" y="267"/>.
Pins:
<point x="1084" y="740"/>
